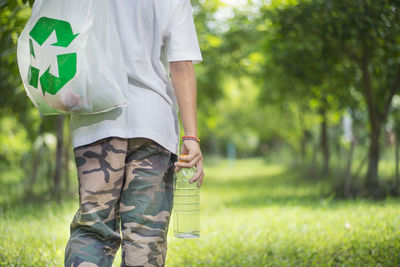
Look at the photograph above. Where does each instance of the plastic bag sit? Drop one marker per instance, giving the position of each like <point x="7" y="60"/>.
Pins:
<point x="70" y="59"/>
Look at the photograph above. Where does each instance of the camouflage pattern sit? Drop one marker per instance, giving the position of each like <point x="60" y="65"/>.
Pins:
<point x="125" y="185"/>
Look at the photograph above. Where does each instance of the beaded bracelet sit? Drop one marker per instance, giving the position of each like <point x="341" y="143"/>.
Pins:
<point x="188" y="137"/>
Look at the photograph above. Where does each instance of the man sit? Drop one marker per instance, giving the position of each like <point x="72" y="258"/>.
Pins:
<point x="126" y="158"/>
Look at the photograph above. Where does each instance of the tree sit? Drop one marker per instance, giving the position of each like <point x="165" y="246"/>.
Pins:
<point x="366" y="33"/>
<point x="300" y="68"/>
<point x="359" y="35"/>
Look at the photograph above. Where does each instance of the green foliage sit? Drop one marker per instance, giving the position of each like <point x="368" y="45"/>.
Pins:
<point x="13" y="100"/>
<point x="13" y="141"/>
<point x="331" y="53"/>
<point x="209" y="75"/>
<point x="12" y="4"/>
<point x="321" y="48"/>
<point x="269" y="69"/>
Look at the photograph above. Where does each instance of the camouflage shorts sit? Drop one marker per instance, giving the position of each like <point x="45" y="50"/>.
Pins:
<point x="124" y="184"/>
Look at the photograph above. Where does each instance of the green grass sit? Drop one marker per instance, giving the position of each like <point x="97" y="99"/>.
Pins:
<point x="252" y="214"/>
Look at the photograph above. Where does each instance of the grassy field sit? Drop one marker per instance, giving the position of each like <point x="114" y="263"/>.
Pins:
<point x="252" y="214"/>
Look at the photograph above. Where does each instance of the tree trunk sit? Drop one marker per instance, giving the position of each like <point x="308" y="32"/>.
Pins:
<point x="35" y="164"/>
<point x="324" y="140"/>
<point x="303" y="146"/>
<point x="66" y="164"/>
<point x="375" y="122"/>
<point x="50" y="174"/>
<point x="371" y="182"/>
<point x="59" y="158"/>
<point x="397" y="182"/>
<point x="314" y="156"/>
<point x="304" y="137"/>
<point x="33" y="176"/>
<point x="348" y="183"/>
<point x="67" y="153"/>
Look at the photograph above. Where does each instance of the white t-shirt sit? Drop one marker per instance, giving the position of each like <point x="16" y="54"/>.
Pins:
<point x="152" y="33"/>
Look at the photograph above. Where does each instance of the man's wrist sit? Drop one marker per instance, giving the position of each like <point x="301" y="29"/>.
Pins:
<point x="191" y="133"/>
<point x="191" y="137"/>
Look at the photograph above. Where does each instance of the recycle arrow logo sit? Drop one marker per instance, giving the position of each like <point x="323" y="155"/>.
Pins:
<point x="67" y="63"/>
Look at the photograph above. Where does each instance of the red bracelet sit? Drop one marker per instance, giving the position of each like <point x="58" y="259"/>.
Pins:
<point x="188" y="137"/>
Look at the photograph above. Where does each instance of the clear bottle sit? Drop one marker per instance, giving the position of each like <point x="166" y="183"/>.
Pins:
<point x="186" y="204"/>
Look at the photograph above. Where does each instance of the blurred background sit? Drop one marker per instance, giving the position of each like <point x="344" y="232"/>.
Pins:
<point x="299" y="120"/>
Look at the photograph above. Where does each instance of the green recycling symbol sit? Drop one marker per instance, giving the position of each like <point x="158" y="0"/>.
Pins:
<point x="67" y="63"/>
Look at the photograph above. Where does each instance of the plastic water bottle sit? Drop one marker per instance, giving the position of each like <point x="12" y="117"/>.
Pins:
<point x="186" y="204"/>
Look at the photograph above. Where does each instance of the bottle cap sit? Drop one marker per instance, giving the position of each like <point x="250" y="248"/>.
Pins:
<point x="182" y="161"/>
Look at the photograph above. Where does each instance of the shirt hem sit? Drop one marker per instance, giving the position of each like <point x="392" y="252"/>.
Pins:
<point x="84" y="139"/>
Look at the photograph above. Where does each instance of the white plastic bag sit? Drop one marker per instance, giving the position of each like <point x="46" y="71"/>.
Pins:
<point x="70" y="59"/>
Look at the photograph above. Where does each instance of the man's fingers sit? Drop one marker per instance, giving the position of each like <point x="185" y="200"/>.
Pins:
<point x="187" y="158"/>
<point x="200" y="180"/>
<point x="196" y="175"/>
<point x="189" y="164"/>
<point x="183" y="164"/>
<point x="177" y="169"/>
<point x="199" y="172"/>
<point x="199" y="169"/>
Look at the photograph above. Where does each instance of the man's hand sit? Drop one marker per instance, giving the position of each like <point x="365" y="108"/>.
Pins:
<point x="194" y="157"/>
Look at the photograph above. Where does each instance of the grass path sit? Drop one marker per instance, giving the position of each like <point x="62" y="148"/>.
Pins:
<point x="251" y="215"/>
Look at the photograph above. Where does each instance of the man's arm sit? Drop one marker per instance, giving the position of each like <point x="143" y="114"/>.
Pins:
<point x="184" y="82"/>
